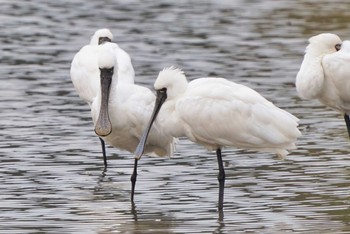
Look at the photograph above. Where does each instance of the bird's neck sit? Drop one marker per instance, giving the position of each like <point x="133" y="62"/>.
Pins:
<point x="169" y="121"/>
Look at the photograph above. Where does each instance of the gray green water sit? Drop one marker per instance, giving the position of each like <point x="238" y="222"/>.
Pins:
<point x="51" y="169"/>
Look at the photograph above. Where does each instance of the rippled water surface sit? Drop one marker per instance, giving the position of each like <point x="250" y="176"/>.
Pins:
<point x="51" y="175"/>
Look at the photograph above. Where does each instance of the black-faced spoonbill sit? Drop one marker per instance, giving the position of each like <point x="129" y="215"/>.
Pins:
<point x="325" y="73"/>
<point x="216" y="113"/>
<point x="121" y="112"/>
<point x="85" y="72"/>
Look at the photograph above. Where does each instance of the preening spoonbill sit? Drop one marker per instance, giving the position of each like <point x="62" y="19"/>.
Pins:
<point x="324" y="73"/>
<point x="216" y="113"/>
<point x="85" y="72"/>
<point x="121" y="111"/>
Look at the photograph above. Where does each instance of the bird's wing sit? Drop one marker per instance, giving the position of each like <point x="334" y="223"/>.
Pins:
<point x="224" y="113"/>
<point x="85" y="74"/>
<point x="126" y="71"/>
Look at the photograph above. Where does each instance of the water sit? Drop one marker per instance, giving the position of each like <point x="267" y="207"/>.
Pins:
<point x="51" y="174"/>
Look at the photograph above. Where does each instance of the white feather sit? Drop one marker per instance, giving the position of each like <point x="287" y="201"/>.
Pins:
<point x="215" y="113"/>
<point x="323" y="60"/>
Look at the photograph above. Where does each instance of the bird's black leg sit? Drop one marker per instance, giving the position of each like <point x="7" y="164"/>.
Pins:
<point x="221" y="178"/>
<point x="104" y="151"/>
<point x="347" y="121"/>
<point x="133" y="180"/>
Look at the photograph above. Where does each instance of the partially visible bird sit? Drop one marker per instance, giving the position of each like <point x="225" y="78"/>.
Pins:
<point x="217" y="113"/>
<point x="325" y="73"/>
<point x="84" y="69"/>
<point x="122" y="109"/>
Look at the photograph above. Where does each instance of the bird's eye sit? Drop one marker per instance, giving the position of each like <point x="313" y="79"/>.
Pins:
<point x="161" y="92"/>
<point x="102" y="40"/>
<point x="337" y="47"/>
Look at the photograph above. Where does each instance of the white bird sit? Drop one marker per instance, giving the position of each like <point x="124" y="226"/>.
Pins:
<point x="216" y="113"/>
<point x="324" y="73"/>
<point x="121" y="111"/>
<point x="84" y="69"/>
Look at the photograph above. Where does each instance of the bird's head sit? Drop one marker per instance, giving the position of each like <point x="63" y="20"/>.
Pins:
<point x="173" y="80"/>
<point x="101" y="36"/>
<point x="324" y="43"/>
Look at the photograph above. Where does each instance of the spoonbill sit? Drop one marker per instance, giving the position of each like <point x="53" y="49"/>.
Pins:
<point x="121" y="111"/>
<point x="84" y="69"/>
<point x="216" y="113"/>
<point x="324" y="73"/>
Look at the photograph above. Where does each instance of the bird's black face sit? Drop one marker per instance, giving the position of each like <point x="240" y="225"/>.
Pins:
<point x="102" y="40"/>
<point x="337" y="47"/>
<point x="103" y="125"/>
<point x="162" y="95"/>
<point x="160" y="99"/>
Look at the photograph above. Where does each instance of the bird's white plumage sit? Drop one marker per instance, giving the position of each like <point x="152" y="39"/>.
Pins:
<point x="85" y="71"/>
<point x="216" y="113"/>
<point x="310" y="78"/>
<point x="336" y="68"/>
<point x="325" y="72"/>
<point x="130" y="107"/>
<point x="106" y="57"/>
<point x="103" y="32"/>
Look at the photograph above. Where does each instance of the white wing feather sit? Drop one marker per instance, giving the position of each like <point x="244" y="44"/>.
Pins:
<point x="245" y="118"/>
<point x="85" y="73"/>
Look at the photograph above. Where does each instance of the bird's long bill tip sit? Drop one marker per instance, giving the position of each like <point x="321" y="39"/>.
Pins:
<point x="103" y="125"/>
<point x="139" y="151"/>
<point x="103" y="130"/>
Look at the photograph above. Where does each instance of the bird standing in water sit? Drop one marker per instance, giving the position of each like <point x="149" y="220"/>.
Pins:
<point x="325" y="73"/>
<point x="216" y="113"/>
<point x="85" y="72"/>
<point x="121" y="111"/>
